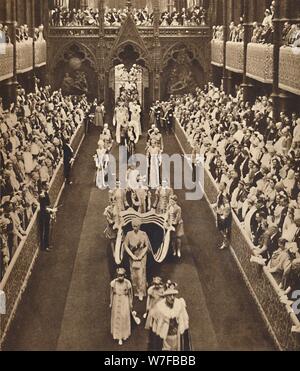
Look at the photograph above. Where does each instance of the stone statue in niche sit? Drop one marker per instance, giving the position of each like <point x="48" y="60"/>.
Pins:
<point x="182" y="79"/>
<point x="75" y="79"/>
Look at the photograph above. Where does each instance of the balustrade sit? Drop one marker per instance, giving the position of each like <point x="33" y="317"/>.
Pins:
<point x="260" y="62"/>
<point x="235" y="56"/>
<point x="6" y="61"/>
<point x="289" y="69"/>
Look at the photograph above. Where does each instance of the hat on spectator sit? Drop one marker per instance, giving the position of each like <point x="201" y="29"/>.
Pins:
<point x="297" y="216"/>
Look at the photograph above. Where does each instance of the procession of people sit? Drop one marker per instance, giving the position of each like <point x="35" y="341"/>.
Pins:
<point x="165" y="315"/>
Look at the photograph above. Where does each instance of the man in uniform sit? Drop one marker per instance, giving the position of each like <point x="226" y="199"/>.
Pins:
<point x="174" y="218"/>
<point x="68" y="160"/>
<point x="169" y="119"/>
<point x="163" y="196"/>
<point x="158" y="114"/>
<point x="45" y="215"/>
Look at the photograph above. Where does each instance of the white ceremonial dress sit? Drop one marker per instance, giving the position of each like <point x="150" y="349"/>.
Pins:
<point x="121" y="303"/>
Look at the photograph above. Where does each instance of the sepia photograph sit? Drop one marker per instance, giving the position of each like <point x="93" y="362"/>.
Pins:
<point x="149" y="178"/>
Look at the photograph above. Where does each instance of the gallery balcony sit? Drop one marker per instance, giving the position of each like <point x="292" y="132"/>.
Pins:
<point x="6" y="61"/>
<point x="259" y="64"/>
<point x="24" y="57"/>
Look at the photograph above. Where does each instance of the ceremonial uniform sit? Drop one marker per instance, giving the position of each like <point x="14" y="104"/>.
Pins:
<point x="163" y="195"/>
<point x="174" y="217"/>
<point x="121" y="305"/>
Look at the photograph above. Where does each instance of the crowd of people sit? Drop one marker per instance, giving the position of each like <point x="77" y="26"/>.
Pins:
<point x="128" y="113"/>
<point x="193" y="17"/>
<point x="263" y="33"/>
<point x="34" y="134"/>
<point x="63" y="17"/>
<point x="142" y="196"/>
<point x="22" y="33"/>
<point x="142" y="193"/>
<point x="256" y="163"/>
<point x="4" y="34"/>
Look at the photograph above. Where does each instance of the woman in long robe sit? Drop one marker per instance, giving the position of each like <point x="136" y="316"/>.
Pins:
<point x="99" y="116"/>
<point x="112" y="218"/>
<point x="168" y="323"/>
<point x="137" y="245"/>
<point x="121" y="307"/>
<point x="136" y="110"/>
<point x="155" y="294"/>
<point x="101" y="160"/>
<point x="121" y="122"/>
<point x="154" y="163"/>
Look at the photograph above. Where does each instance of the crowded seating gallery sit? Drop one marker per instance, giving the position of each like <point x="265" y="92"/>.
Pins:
<point x="97" y="98"/>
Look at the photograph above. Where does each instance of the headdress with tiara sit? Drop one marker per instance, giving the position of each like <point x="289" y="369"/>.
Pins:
<point x="170" y="289"/>
<point x="137" y="222"/>
<point x="121" y="272"/>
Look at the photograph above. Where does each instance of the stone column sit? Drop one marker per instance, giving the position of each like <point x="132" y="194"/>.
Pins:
<point x="277" y="44"/>
<point x="225" y="27"/>
<point x="102" y="94"/>
<point x="287" y="13"/>
<point x="32" y="74"/>
<point x="11" y="85"/>
<point x="248" y="88"/>
<point x="156" y="76"/>
<point x="230" y="83"/>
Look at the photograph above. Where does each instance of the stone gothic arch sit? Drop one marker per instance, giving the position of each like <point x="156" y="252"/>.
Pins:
<point x="197" y="53"/>
<point x="183" y="68"/>
<point x="74" y="70"/>
<point x="129" y="36"/>
<point x="140" y="56"/>
<point x="84" y="49"/>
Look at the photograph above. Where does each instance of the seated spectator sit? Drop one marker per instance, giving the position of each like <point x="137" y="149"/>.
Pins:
<point x="30" y="150"/>
<point x="257" y="159"/>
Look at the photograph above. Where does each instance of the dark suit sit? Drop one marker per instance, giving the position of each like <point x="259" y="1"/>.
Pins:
<point x="257" y="177"/>
<point x="68" y="156"/>
<point x="272" y="246"/>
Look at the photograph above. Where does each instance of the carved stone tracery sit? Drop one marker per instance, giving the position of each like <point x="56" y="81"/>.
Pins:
<point x="129" y="36"/>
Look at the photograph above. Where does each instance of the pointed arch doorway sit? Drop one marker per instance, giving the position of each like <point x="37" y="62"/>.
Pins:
<point x="123" y="70"/>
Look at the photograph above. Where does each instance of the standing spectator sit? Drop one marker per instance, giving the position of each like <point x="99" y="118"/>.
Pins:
<point x="45" y="217"/>
<point x="68" y="160"/>
<point x="224" y="215"/>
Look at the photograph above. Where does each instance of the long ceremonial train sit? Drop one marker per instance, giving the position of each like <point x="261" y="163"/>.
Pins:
<point x="150" y="219"/>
